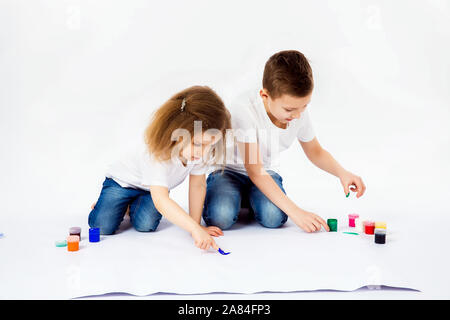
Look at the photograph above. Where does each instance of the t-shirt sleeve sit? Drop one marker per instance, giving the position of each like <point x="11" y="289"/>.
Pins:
<point x="306" y="131"/>
<point x="243" y="122"/>
<point x="199" y="169"/>
<point x="154" y="172"/>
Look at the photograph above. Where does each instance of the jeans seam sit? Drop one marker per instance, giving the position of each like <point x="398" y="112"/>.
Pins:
<point x="137" y="205"/>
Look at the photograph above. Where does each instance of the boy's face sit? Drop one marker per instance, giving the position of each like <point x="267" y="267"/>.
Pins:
<point x="286" y="107"/>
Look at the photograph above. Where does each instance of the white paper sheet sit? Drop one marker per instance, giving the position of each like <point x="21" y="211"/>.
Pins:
<point x="261" y="260"/>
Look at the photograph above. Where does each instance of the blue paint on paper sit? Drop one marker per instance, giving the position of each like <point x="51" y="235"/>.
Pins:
<point x="223" y="253"/>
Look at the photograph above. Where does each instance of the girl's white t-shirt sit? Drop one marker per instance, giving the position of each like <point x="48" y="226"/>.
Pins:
<point x="139" y="169"/>
<point x="251" y="123"/>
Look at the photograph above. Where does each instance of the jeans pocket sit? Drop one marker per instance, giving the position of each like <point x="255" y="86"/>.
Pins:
<point x="275" y="175"/>
<point x="212" y="175"/>
<point x="109" y="182"/>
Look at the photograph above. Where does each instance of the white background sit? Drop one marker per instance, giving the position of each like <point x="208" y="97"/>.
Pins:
<point x="79" y="79"/>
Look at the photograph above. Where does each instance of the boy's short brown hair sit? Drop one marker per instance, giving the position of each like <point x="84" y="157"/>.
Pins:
<point x="288" y="72"/>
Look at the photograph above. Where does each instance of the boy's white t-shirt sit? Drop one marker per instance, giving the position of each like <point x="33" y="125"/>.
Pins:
<point x="251" y="123"/>
<point x="139" y="169"/>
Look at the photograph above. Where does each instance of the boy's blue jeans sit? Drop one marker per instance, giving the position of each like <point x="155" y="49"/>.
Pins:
<point x="225" y="192"/>
<point x="112" y="205"/>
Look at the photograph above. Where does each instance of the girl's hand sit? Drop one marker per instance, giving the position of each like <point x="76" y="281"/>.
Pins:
<point x="203" y="240"/>
<point x="308" y="221"/>
<point x="352" y="181"/>
<point x="213" y="231"/>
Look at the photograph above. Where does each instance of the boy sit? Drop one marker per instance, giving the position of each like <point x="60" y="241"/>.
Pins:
<point x="267" y="122"/>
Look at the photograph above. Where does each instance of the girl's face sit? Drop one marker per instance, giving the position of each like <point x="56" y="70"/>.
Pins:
<point x="199" y="147"/>
<point x="286" y="107"/>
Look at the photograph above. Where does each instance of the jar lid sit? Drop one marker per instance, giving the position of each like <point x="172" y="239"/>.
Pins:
<point x="61" y="243"/>
<point x="380" y="224"/>
<point x="332" y="220"/>
<point x="73" y="239"/>
<point x="75" y="230"/>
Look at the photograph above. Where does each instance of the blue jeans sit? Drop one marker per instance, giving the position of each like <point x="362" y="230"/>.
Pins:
<point x="112" y="205"/>
<point x="226" y="192"/>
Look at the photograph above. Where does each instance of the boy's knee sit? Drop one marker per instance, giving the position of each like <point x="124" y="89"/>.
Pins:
<point x="221" y="215"/>
<point x="270" y="216"/>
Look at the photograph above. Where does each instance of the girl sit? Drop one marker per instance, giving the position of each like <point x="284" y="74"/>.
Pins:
<point x="142" y="181"/>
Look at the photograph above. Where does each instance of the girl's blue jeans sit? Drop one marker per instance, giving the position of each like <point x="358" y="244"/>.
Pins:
<point x="112" y="205"/>
<point x="227" y="192"/>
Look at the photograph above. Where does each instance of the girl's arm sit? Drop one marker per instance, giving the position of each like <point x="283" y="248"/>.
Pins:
<point x="175" y="214"/>
<point x="197" y="193"/>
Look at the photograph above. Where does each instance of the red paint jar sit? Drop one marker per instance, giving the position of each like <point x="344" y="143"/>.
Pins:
<point x="369" y="227"/>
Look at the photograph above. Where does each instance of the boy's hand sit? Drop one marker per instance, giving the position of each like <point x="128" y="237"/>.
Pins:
<point x="213" y="231"/>
<point x="308" y="221"/>
<point x="352" y="182"/>
<point x="203" y="240"/>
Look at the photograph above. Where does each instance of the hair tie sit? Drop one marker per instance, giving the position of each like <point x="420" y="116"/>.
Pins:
<point x="183" y="104"/>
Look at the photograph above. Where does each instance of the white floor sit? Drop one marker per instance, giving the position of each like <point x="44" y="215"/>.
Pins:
<point x="78" y="88"/>
<point x="360" y="294"/>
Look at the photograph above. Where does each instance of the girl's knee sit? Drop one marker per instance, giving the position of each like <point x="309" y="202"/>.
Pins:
<point x="146" y="227"/>
<point x="100" y="219"/>
<point x="146" y="222"/>
<point x="105" y="227"/>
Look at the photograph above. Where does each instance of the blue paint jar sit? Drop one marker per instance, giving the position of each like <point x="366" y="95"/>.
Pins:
<point x="94" y="234"/>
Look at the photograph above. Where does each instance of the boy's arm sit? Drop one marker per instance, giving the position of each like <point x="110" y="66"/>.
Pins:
<point x="253" y="164"/>
<point x="325" y="161"/>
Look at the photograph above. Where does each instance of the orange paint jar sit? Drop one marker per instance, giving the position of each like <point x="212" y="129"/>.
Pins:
<point x="73" y="243"/>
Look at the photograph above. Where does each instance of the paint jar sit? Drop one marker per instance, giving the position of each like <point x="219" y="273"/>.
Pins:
<point x="94" y="234"/>
<point x="75" y="231"/>
<point x="369" y="227"/>
<point x="351" y="219"/>
<point x="359" y="225"/>
<point x="332" y="223"/>
<point x="73" y="243"/>
<point x="380" y="225"/>
<point x="380" y="236"/>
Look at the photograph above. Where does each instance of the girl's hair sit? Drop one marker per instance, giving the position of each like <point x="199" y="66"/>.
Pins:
<point x="197" y="103"/>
